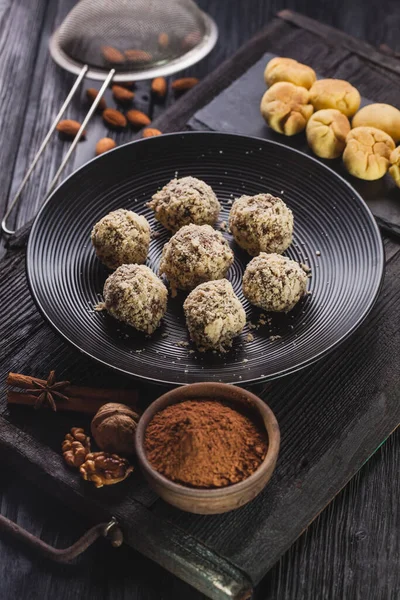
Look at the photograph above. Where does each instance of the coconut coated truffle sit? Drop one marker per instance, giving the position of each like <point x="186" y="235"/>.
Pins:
<point x="196" y="253"/>
<point x="183" y="201"/>
<point x="274" y="282"/>
<point x="121" y="237"/>
<point x="261" y="223"/>
<point x="214" y="315"/>
<point x="134" y="295"/>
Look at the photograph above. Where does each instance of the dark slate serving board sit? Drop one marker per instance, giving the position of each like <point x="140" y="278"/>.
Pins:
<point x="237" y="110"/>
<point x="332" y="416"/>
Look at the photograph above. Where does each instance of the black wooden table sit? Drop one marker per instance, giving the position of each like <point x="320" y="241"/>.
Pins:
<point x="352" y="550"/>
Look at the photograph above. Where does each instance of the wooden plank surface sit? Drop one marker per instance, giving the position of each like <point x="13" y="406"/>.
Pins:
<point x="356" y="569"/>
<point x="16" y="72"/>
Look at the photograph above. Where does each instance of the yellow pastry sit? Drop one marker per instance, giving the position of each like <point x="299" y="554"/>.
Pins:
<point x="394" y="169"/>
<point x="381" y="116"/>
<point x="286" y="108"/>
<point x="288" y="69"/>
<point x="335" y="93"/>
<point x="367" y="152"/>
<point x="326" y="132"/>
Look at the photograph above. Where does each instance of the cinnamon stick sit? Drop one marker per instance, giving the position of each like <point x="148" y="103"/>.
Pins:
<point x="80" y="399"/>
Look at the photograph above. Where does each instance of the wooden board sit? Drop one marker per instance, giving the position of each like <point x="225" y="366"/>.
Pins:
<point x="332" y="416"/>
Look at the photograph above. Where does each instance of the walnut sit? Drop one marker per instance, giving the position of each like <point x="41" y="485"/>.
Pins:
<point x="75" y="447"/>
<point x="367" y="152"/>
<point x="286" y="107"/>
<point x="287" y="69"/>
<point x="335" y="93"/>
<point x="105" y="469"/>
<point x="113" y="428"/>
<point x="326" y="132"/>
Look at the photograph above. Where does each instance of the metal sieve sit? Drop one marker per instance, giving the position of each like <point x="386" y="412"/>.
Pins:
<point x="122" y="40"/>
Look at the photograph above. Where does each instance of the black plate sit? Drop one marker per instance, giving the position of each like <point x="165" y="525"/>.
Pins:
<point x="66" y="279"/>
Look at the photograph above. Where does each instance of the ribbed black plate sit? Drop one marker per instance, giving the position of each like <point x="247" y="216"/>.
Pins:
<point x="66" y="279"/>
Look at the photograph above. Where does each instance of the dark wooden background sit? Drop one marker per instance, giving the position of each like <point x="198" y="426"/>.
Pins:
<point x="352" y="551"/>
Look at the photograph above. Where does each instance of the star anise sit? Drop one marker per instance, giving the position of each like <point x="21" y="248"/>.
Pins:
<point x="47" y="393"/>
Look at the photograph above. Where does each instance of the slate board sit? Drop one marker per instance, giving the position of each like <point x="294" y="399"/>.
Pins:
<point x="332" y="416"/>
<point x="237" y="110"/>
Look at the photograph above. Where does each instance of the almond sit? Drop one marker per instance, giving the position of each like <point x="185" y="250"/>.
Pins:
<point x="69" y="128"/>
<point x="191" y="40"/>
<point x="121" y="94"/>
<point x="112" y="55"/>
<point x="126" y="84"/>
<point x="138" y="56"/>
<point x="113" y="118"/>
<point x="184" y="84"/>
<point x="149" y="132"/>
<point x="104" y="145"/>
<point x="163" y="40"/>
<point x="91" y="94"/>
<point x="137" y="118"/>
<point x="159" y="86"/>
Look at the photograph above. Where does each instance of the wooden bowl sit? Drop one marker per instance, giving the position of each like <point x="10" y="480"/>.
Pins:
<point x="219" y="500"/>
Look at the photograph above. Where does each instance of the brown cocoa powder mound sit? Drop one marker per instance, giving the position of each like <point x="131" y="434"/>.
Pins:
<point x="204" y="444"/>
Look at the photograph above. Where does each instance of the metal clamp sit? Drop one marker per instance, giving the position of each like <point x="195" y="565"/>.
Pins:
<point x="46" y="140"/>
<point x="110" y="530"/>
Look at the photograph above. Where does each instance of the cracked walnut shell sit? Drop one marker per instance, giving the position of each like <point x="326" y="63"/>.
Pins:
<point x="288" y="69"/>
<point x="105" y="469"/>
<point x="335" y="93"/>
<point x="326" y="132"/>
<point x="113" y="428"/>
<point x="286" y="108"/>
<point x="75" y="447"/>
<point x="394" y="169"/>
<point x="367" y="152"/>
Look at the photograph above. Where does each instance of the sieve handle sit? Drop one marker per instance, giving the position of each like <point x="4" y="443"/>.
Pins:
<point x="46" y="140"/>
<point x="41" y="149"/>
<point x="108" y="530"/>
<point x="81" y="130"/>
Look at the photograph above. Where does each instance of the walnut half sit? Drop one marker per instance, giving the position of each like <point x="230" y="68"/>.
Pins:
<point x="105" y="469"/>
<point x="75" y="447"/>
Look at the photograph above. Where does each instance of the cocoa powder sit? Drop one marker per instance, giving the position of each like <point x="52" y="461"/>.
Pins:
<point x="205" y="444"/>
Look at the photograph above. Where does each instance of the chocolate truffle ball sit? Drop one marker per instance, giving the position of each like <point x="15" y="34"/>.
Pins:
<point x="184" y="201"/>
<point x="196" y="253"/>
<point x="134" y="295"/>
<point x="274" y="282"/>
<point x="214" y="315"/>
<point x="121" y="237"/>
<point x="288" y="69"/>
<point x="261" y="223"/>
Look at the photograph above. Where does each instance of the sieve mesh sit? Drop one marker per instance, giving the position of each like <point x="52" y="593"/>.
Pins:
<point x="130" y="35"/>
